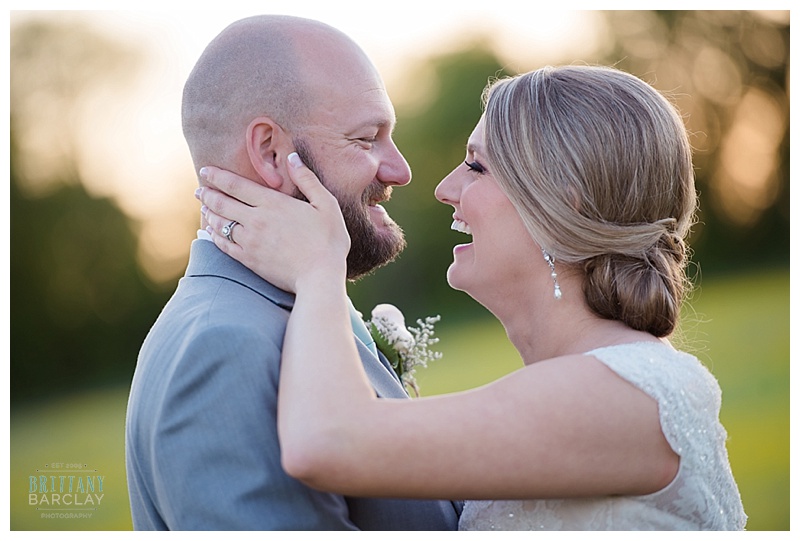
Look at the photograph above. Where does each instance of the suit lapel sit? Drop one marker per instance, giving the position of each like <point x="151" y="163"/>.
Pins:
<point x="380" y="373"/>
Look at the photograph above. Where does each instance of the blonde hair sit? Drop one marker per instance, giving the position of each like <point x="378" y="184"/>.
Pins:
<point x="599" y="166"/>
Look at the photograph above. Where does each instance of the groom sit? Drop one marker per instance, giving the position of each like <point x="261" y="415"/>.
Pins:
<point x="202" y="449"/>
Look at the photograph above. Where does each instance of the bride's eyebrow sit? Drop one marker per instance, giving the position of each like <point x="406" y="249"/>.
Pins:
<point x="472" y="148"/>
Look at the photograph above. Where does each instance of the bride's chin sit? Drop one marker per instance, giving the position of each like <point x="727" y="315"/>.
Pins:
<point x="454" y="279"/>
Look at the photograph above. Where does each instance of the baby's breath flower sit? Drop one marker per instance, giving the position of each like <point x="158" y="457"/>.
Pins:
<point x="405" y="348"/>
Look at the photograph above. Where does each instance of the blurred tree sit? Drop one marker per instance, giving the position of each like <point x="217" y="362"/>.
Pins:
<point x="79" y="305"/>
<point x="728" y="72"/>
<point x="80" y="308"/>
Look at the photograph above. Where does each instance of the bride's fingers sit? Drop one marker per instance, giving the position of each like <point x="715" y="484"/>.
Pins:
<point x="234" y="186"/>
<point x="224" y="232"/>
<point x="221" y="204"/>
<point x="308" y="183"/>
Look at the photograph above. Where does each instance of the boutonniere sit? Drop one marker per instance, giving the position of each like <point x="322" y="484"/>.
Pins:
<point x="405" y="348"/>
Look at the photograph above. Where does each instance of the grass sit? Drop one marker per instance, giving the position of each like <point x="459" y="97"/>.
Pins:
<point x="85" y="429"/>
<point x="739" y="328"/>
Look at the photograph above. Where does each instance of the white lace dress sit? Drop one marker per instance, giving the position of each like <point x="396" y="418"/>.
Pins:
<point x="703" y="495"/>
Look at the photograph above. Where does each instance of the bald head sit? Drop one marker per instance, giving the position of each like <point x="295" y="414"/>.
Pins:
<point x="260" y="66"/>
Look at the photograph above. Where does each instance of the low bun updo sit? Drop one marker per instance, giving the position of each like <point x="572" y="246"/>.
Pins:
<point x="599" y="166"/>
<point x="643" y="292"/>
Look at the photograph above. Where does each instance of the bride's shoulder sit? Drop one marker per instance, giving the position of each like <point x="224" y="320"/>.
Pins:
<point x="653" y="366"/>
<point x="660" y="370"/>
<point x="657" y="358"/>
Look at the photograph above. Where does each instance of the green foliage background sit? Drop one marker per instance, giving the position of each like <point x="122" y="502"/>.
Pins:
<point x="80" y="304"/>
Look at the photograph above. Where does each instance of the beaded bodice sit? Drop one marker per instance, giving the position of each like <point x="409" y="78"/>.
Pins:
<point x="702" y="496"/>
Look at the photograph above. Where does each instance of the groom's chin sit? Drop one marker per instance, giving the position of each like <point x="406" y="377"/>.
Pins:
<point x="365" y="257"/>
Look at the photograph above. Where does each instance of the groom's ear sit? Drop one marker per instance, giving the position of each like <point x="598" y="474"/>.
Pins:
<point x="267" y="147"/>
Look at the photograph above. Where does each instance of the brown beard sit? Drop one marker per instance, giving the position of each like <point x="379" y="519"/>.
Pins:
<point x="370" y="249"/>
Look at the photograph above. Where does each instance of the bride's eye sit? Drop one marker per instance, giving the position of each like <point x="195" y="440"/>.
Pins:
<point x="476" y="167"/>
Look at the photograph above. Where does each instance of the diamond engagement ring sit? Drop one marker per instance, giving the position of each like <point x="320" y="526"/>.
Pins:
<point x="227" y="230"/>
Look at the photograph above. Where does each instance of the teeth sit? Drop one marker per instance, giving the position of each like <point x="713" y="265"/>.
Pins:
<point x="461" y="227"/>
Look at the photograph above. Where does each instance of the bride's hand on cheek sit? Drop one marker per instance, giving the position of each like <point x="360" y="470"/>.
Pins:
<point x="284" y="240"/>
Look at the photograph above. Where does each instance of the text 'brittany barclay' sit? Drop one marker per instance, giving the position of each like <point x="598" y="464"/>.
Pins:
<point x="72" y="490"/>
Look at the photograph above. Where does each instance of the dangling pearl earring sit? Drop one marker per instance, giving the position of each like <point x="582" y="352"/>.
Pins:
<point x="549" y="259"/>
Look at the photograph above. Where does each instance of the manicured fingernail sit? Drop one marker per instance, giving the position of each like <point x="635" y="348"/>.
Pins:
<point x="209" y="230"/>
<point x="203" y="173"/>
<point x="295" y="160"/>
<point x="203" y="210"/>
<point x="197" y="192"/>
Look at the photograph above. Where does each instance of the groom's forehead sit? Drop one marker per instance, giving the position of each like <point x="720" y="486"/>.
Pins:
<point x="352" y="113"/>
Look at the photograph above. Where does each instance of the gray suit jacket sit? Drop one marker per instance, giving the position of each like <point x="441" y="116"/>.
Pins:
<point x="202" y="449"/>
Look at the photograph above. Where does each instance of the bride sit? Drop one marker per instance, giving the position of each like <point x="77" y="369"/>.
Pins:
<point x="578" y="193"/>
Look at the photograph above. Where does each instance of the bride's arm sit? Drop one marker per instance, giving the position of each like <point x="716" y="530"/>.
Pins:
<point x="549" y="430"/>
<point x="568" y="427"/>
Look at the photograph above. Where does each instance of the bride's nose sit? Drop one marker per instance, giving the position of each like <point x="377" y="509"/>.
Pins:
<point x="448" y="189"/>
